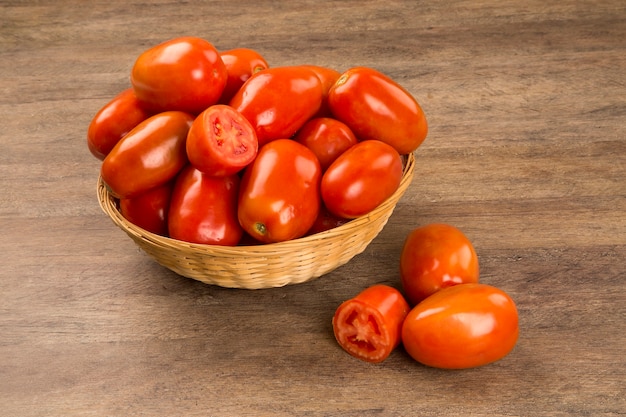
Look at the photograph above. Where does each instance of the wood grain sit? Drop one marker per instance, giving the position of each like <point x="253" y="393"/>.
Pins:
<point x="526" y="154"/>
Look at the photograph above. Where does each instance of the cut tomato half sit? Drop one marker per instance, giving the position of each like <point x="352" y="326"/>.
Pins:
<point x="221" y="141"/>
<point x="369" y="325"/>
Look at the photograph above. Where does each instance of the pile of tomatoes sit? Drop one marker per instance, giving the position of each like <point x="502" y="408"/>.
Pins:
<point x="443" y="317"/>
<point x="217" y="147"/>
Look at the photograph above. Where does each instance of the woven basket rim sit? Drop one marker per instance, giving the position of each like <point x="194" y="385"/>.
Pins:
<point x="108" y="205"/>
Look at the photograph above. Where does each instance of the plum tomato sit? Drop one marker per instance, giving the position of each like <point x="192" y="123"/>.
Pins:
<point x="221" y="141"/>
<point x="148" y="156"/>
<point x="327" y="138"/>
<point x="328" y="77"/>
<point x="377" y="107"/>
<point x="463" y="326"/>
<point x="279" y="198"/>
<point x="369" y="325"/>
<point x="326" y="221"/>
<point x="113" y="121"/>
<point x="278" y="101"/>
<point x="149" y="210"/>
<point x="203" y="208"/>
<point x="433" y="257"/>
<point x="240" y="64"/>
<point x="361" y="178"/>
<point x="185" y="73"/>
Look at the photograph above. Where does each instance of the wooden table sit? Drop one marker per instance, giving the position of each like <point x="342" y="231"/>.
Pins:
<point x="526" y="154"/>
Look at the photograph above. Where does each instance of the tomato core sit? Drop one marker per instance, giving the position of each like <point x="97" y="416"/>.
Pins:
<point x="260" y="228"/>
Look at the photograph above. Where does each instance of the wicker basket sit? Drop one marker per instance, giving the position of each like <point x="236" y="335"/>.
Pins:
<point x="268" y="265"/>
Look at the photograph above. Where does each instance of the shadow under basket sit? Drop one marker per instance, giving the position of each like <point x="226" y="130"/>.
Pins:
<point x="264" y="265"/>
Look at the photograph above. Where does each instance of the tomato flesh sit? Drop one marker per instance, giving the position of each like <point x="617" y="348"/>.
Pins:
<point x="368" y="326"/>
<point x="221" y="141"/>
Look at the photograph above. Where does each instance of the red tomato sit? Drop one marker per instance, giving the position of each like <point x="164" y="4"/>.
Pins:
<point x="113" y="122"/>
<point x="369" y="325"/>
<point x="463" y="326"/>
<point x="240" y="64"/>
<point x="279" y="198"/>
<point x="221" y="141"/>
<point x="361" y="178"/>
<point x="328" y="77"/>
<point x="433" y="257"/>
<point x="149" y="210"/>
<point x="327" y="138"/>
<point x="326" y="221"/>
<point x="203" y="208"/>
<point x="278" y="101"/>
<point x="185" y="74"/>
<point x="376" y="107"/>
<point x="148" y="156"/>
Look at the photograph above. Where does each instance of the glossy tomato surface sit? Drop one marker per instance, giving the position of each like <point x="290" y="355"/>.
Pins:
<point x="221" y="141"/>
<point x="369" y="325"/>
<point x="148" y="156"/>
<point x="279" y="198"/>
<point x="278" y="101"/>
<point x="463" y="326"/>
<point x="436" y="256"/>
<point x="328" y="77"/>
<point x="240" y="64"/>
<point x="149" y="210"/>
<point x="361" y="178"/>
<point x="184" y="73"/>
<point x="327" y="138"/>
<point x="113" y="121"/>
<point x="377" y="107"/>
<point x="203" y="208"/>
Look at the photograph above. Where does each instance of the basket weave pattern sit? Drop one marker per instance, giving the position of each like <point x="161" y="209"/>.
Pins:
<point x="267" y="265"/>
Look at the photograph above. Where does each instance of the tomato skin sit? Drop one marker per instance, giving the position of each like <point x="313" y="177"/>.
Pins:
<point x="325" y="220"/>
<point x="113" y="121"/>
<point x="436" y="256"/>
<point x="278" y="101"/>
<point x="148" y="156"/>
<point x="462" y="326"/>
<point x="376" y="107"/>
<point x="279" y="197"/>
<point x="361" y="178"/>
<point x="203" y="208"/>
<point x="369" y="325"/>
<point x="328" y="77"/>
<point x="184" y="73"/>
<point x="327" y="138"/>
<point x="240" y="64"/>
<point x="221" y="141"/>
<point x="149" y="210"/>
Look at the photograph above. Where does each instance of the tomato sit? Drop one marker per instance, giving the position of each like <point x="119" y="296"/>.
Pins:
<point x="361" y="178"/>
<point x="325" y="220"/>
<point x="240" y="64"/>
<point x="113" y="121"/>
<point x="149" y="210"/>
<point x="148" y="156"/>
<point x="369" y="325"/>
<point x="463" y="326"/>
<point x="203" y="208"/>
<point x="279" y="198"/>
<point x="376" y="107"/>
<point x="433" y="257"/>
<point x="327" y="138"/>
<point x="328" y="77"/>
<point x="221" y="141"/>
<point x="278" y="101"/>
<point x="185" y="74"/>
